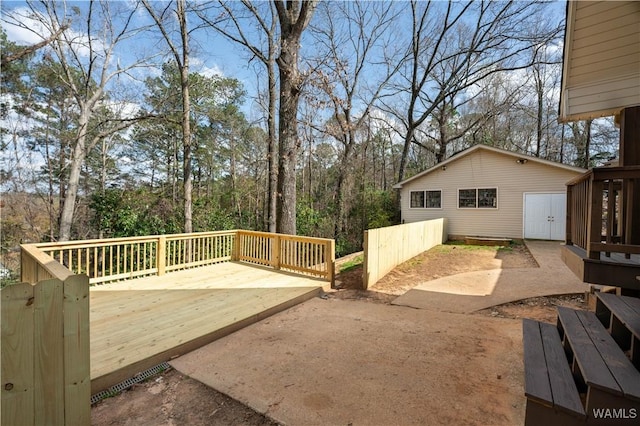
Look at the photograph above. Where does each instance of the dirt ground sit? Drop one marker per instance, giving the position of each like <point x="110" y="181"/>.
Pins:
<point x="440" y="261"/>
<point x="174" y="399"/>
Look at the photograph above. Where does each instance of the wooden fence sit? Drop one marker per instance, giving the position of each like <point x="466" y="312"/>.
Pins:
<point x="386" y="248"/>
<point x="45" y="373"/>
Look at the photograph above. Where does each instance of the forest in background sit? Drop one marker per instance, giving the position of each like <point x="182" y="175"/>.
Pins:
<point x="112" y="126"/>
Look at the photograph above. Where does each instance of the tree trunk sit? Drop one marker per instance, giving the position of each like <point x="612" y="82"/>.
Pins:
<point x="344" y="167"/>
<point x="288" y="151"/>
<point x="539" y="90"/>
<point x="186" y="122"/>
<point x="294" y="16"/>
<point x="587" y="145"/>
<point x="405" y="153"/>
<point x="77" y="160"/>
<point x="273" y="147"/>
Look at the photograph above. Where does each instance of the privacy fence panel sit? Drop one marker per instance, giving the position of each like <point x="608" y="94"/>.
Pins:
<point x="386" y="248"/>
<point x="45" y="374"/>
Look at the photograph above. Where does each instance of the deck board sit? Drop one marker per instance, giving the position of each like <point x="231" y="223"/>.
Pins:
<point x="140" y="321"/>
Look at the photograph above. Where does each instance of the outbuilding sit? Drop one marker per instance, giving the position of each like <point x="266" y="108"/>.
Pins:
<point x="490" y="192"/>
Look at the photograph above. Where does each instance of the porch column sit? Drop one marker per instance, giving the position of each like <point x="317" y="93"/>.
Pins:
<point x="630" y="156"/>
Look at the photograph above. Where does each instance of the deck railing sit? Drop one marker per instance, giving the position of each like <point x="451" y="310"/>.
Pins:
<point x="600" y="211"/>
<point x="306" y="255"/>
<point x="45" y="319"/>
<point x="116" y="259"/>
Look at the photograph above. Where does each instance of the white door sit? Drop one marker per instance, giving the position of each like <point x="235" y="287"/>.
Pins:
<point x="544" y="216"/>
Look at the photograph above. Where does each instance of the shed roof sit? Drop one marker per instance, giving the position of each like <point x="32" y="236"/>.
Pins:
<point x="477" y="148"/>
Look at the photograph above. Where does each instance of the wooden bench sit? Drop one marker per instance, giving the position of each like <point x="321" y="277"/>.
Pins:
<point x="600" y="366"/>
<point x="552" y="395"/>
<point x="621" y="316"/>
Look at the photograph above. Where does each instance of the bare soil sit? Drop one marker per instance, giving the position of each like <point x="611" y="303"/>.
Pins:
<point x="441" y="261"/>
<point x="174" y="399"/>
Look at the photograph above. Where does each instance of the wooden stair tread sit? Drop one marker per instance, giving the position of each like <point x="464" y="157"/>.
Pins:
<point x="600" y="359"/>
<point x="623" y="307"/>
<point x="548" y="379"/>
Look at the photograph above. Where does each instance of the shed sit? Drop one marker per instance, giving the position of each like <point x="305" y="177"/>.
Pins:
<point x="490" y="192"/>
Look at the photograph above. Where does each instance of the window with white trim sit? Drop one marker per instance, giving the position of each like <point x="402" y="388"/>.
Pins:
<point x="430" y="199"/>
<point x="433" y="199"/>
<point x="488" y="198"/>
<point x="481" y="198"/>
<point x="417" y="199"/>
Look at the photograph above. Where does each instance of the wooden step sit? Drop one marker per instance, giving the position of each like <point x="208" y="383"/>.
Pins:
<point x="610" y="379"/>
<point x="552" y="395"/>
<point x="621" y="316"/>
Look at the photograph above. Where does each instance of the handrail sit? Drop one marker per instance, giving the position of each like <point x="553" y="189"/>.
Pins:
<point x="36" y="266"/>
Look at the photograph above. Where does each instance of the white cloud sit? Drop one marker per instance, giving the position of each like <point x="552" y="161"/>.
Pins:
<point x="200" y="67"/>
<point x="31" y="31"/>
<point x="24" y="27"/>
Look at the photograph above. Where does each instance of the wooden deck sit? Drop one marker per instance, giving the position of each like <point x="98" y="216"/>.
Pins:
<point x="613" y="270"/>
<point x="140" y="323"/>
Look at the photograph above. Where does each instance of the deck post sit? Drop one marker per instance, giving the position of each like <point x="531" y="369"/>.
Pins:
<point x="235" y="251"/>
<point x="594" y="231"/>
<point x="568" y="239"/>
<point x="331" y="262"/>
<point x="161" y="255"/>
<point x="275" y="252"/>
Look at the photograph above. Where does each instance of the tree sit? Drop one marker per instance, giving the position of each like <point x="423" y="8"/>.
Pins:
<point x="293" y="18"/>
<point x="243" y="15"/>
<point x="356" y="63"/>
<point x="181" y="57"/>
<point x="91" y="54"/>
<point x="455" y="46"/>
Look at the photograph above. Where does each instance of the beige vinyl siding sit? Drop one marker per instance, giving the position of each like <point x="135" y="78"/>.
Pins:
<point x="601" y="73"/>
<point x="485" y="169"/>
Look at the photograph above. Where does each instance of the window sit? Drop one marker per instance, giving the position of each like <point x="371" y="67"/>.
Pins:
<point x="434" y="199"/>
<point x="467" y="198"/>
<point x="483" y="198"/>
<point x="488" y="198"/>
<point x="417" y="199"/>
<point x="426" y="199"/>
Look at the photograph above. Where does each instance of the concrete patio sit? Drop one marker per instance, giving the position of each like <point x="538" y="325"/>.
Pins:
<point x="340" y="362"/>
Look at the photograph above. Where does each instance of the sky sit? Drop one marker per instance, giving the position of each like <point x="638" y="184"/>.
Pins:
<point x="211" y="54"/>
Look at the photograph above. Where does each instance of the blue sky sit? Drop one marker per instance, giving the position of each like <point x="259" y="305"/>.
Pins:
<point x="211" y="53"/>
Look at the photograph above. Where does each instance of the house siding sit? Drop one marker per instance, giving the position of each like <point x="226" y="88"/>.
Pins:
<point x="601" y="71"/>
<point x="485" y="169"/>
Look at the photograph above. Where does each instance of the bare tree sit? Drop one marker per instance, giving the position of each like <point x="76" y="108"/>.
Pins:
<point x="283" y="26"/>
<point x="181" y="56"/>
<point x="456" y="45"/>
<point x="86" y="68"/>
<point x="357" y="61"/>
<point x="239" y="15"/>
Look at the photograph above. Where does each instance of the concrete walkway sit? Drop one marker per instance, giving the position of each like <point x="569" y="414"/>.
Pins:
<point x="473" y="291"/>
